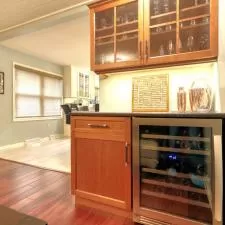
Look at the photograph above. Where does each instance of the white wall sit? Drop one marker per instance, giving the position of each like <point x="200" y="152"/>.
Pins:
<point x="221" y="59"/>
<point x="116" y="90"/>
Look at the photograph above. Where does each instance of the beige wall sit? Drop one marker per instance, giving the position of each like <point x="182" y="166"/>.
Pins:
<point x="116" y="90"/>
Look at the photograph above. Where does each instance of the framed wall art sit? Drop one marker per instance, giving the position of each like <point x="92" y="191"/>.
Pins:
<point x="1" y="83"/>
<point x="150" y="93"/>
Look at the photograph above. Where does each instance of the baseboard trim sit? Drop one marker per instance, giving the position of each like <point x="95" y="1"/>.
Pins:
<point x="17" y="145"/>
<point x="39" y="167"/>
<point x="55" y="136"/>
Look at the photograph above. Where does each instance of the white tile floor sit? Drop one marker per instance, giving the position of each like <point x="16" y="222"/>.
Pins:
<point x="54" y="155"/>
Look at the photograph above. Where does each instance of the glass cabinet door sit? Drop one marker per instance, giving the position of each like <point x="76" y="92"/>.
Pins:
<point x="127" y="32"/>
<point x="162" y="29"/>
<point x="104" y="36"/>
<point x="194" y="25"/>
<point x="116" y="33"/>
<point x="175" y="170"/>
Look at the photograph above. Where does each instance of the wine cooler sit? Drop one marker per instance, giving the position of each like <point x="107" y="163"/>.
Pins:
<point x="178" y="171"/>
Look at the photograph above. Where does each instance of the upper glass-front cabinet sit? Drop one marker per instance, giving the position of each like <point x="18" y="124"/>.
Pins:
<point x="115" y="34"/>
<point x="194" y="25"/>
<point x="162" y="27"/>
<point x="134" y="33"/>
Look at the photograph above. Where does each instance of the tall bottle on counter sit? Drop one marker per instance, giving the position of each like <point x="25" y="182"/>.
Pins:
<point x="181" y="99"/>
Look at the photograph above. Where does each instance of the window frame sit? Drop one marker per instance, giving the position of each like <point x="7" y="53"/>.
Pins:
<point x="33" y="118"/>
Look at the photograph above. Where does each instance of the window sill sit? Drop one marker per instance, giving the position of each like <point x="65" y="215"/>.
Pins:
<point x="37" y="118"/>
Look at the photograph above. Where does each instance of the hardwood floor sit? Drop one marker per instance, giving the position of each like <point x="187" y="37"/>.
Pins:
<point x="54" y="155"/>
<point x="46" y="195"/>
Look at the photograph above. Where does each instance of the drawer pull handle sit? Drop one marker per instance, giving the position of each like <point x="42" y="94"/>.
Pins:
<point x="98" y="125"/>
<point x="126" y="154"/>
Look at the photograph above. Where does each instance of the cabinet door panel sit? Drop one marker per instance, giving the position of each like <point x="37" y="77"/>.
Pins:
<point x="104" y="36"/>
<point x="88" y="159"/>
<point x="162" y="29"/>
<point x="127" y="32"/>
<point x="178" y="31"/>
<point x="116" y="35"/>
<point x="115" y="173"/>
<point x="194" y="25"/>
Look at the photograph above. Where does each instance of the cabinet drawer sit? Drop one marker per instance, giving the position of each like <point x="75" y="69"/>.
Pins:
<point x="105" y="128"/>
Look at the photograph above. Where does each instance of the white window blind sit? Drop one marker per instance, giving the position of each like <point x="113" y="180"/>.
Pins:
<point x="37" y="94"/>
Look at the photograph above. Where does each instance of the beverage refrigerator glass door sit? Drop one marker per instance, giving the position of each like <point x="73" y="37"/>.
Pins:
<point x="177" y="166"/>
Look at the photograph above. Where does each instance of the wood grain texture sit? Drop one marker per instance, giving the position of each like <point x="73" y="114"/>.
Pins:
<point x="46" y="195"/>
<point x="101" y="162"/>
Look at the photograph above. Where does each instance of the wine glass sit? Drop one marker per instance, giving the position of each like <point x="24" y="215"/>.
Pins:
<point x="166" y="5"/>
<point x="156" y="7"/>
<point x="170" y="47"/>
<point x="190" y="43"/>
<point x="180" y="44"/>
<point x="161" y="50"/>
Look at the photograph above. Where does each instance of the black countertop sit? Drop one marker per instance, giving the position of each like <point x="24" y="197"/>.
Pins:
<point x="152" y="115"/>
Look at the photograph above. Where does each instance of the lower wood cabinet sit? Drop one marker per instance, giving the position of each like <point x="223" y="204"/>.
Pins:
<point x="101" y="160"/>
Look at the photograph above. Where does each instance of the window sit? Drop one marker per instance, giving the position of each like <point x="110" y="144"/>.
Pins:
<point x="37" y="94"/>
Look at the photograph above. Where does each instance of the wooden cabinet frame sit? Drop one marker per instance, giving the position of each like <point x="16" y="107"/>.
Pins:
<point x="186" y="57"/>
<point x="115" y="141"/>
<point x="144" y="40"/>
<point x="113" y="4"/>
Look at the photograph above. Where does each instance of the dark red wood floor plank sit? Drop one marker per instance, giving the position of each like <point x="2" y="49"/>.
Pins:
<point x="46" y="194"/>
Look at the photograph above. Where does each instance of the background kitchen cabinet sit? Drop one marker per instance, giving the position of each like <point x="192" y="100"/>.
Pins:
<point x="72" y="83"/>
<point x="129" y="34"/>
<point x="71" y="89"/>
<point x="101" y="160"/>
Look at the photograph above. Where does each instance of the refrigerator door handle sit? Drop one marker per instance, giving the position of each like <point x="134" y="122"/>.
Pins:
<point x="218" y="209"/>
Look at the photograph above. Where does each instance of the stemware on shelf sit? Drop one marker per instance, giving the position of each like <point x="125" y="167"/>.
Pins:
<point x="190" y="43"/>
<point x="166" y="6"/>
<point x="161" y="50"/>
<point x="156" y="7"/>
<point x="170" y="47"/>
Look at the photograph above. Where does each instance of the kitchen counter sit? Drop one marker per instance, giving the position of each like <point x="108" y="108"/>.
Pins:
<point x="152" y="115"/>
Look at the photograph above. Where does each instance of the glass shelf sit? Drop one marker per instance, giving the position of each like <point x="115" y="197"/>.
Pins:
<point x="127" y="23"/>
<point x="194" y="7"/>
<point x="163" y="14"/>
<point x="194" y="18"/>
<point x="104" y="29"/>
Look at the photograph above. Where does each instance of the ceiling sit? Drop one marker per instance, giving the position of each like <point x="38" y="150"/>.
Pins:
<point x="54" y="30"/>
<point x="64" y="44"/>
<point x="17" y="12"/>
